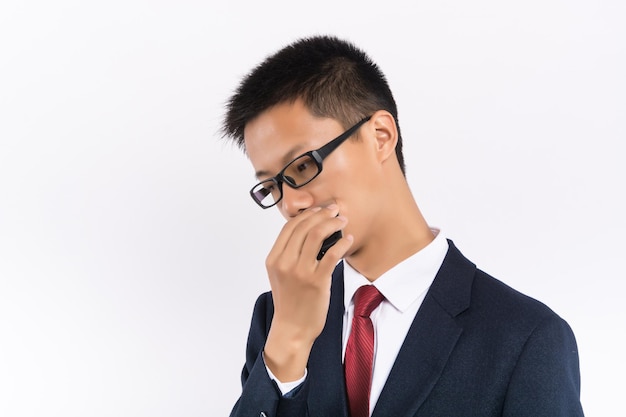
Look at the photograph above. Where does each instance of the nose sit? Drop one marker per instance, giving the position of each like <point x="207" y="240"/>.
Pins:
<point x="295" y="200"/>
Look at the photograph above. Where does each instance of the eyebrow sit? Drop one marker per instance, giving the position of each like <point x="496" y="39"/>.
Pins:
<point x="288" y="157"/>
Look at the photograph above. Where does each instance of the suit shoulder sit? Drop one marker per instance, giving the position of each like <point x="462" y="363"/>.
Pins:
<point x="492" y="295"/>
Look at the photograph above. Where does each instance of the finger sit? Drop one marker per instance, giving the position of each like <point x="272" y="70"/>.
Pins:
<point x="316" y="236"/>
<point x="308" y="229"/>
<point x="286" y="233"/>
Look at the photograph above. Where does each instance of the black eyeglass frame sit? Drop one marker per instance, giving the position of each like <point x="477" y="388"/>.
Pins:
<point x="317" y="155"/>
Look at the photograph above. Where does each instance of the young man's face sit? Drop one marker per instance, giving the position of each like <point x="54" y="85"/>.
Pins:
<point x="350" y="176"/>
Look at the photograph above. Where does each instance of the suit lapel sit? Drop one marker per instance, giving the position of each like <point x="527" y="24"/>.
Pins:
<point x="327" y="392"/>
<point x="430" y="340"/>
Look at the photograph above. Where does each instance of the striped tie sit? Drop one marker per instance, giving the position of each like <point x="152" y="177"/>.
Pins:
<point x="360" y="351"/>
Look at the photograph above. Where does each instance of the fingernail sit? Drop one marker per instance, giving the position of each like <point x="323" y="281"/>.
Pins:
<point x="332" y="207"/>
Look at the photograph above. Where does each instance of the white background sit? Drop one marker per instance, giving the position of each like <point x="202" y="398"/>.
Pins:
<point x="131" y="254"/>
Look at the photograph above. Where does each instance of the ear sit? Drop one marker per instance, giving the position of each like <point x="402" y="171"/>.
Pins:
<point x="386" y="134"/>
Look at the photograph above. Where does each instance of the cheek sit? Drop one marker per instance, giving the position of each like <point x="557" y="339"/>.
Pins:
<point x="352" y="179"/>
<point x="360" y="198"/>
<point x="354" y="176"/>
<point x="357" y="198"/>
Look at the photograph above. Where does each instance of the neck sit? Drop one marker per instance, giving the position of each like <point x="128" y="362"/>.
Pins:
<point x="398" y="231"/>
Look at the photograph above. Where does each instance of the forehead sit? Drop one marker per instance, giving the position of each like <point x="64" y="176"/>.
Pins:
<point x="283" y="132"/>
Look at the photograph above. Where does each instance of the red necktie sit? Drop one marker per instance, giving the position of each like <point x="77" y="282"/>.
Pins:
<point x="359" y="358"/>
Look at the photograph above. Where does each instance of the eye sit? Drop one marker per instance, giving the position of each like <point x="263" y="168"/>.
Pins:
<point x="264" y="189"/>
<point x="300" y="171"/>
<point x="303" y="166"/>
<point x="273" y="189"/>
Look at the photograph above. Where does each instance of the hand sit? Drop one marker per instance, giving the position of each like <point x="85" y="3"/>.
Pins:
<point x="301" y="288"/>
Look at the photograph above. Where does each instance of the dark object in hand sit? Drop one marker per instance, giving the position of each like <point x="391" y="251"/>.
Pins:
<point x="328" y="242"/>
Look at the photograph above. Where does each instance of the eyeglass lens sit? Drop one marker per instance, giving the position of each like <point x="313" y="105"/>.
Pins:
<point x="299" y="172"/>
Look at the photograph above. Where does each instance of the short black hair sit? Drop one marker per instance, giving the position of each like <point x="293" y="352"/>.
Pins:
<point x="333" y="77"/>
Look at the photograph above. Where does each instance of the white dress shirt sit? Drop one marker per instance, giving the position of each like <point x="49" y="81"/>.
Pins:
<point x="404" y="287"/>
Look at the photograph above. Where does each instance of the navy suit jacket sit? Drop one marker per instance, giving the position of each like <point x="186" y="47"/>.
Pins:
<point x="476" y="348"/>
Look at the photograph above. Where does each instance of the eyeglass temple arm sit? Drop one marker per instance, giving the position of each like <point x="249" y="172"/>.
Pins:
<point x="325" y="150"/>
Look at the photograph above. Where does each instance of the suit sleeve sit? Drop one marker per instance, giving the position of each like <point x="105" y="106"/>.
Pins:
<point x="259" y="393"/>
<point x="546" y="379"/>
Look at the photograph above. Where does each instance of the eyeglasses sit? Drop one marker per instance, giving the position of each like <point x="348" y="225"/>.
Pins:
<point x="299" y="172"/>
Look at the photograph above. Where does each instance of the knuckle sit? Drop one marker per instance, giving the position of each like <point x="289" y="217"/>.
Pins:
<point x="283" y="270"/>
<point x="318" y="232"/>
<point x="269" y="262"/>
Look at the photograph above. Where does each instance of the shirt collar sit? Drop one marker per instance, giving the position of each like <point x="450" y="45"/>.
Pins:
<point x="406" y="281"/>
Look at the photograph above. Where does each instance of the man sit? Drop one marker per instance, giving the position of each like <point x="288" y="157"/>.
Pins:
<point x="392" y="320"/>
